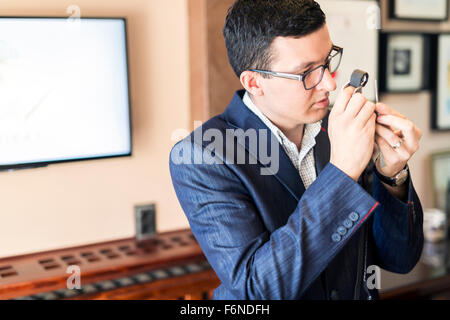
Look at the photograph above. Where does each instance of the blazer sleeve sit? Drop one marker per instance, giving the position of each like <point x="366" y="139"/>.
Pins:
<point x="397" y="228"/>
<point x="251" y="262"/>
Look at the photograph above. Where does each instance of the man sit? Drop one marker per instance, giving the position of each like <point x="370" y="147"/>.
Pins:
<point x="311" y="224"/>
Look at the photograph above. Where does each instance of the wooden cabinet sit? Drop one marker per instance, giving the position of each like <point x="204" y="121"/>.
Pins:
<point x="168" y="266"/>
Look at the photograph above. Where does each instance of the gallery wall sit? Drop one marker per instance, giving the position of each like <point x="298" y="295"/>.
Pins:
<point x="418" y="106"/>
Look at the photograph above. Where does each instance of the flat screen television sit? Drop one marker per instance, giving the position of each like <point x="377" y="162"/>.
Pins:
<point x="64" y="93"/>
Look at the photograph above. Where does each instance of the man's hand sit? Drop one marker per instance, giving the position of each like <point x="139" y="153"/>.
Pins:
<point x="397" y="137"/>
<point x="351" y="128"/>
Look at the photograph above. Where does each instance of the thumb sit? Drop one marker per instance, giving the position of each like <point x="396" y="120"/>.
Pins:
<point x="382" y="109"/>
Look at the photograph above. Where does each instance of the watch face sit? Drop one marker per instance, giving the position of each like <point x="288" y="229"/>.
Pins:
<point x="401" y="177"/>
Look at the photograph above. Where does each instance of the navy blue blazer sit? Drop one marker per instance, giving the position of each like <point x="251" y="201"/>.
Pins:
<point x="268" y="238"/>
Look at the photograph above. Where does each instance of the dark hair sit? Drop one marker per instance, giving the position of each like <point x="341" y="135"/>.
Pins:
<point x="252" y="25"/>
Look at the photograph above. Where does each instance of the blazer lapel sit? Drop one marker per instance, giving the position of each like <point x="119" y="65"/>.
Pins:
<point x="239" y="116"/>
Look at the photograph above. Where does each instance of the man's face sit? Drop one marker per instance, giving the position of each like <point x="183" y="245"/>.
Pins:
<point x="285" y="101"/>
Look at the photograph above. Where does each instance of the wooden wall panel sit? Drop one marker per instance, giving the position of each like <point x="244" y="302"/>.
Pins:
<point x="222" y="80"/>
<point x="198" y="59"/>
<point x="213" y="81"/>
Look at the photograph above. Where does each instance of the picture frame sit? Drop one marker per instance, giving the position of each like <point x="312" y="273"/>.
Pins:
<point x="403" y="57"/>
<point x="440" y="105"/>
<point x="419" y="10"/>
<point x="440" y="177"/>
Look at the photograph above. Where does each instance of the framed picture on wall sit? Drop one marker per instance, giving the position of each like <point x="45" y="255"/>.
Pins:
<point x="402" y="62"/>
<point x="440" y="174"/>
<point x="440" y="107"/>
<point x="422" y="10"/>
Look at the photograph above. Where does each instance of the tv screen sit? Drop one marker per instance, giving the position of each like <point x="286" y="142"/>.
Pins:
<point x="63" y="90"/>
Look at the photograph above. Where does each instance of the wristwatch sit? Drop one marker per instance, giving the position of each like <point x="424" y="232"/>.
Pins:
<point x="397" y="180"/>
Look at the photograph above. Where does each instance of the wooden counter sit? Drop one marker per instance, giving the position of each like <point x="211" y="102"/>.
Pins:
<point x="169" y="266"/>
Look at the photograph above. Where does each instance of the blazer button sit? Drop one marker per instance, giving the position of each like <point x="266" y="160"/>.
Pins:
<point x="334" y="295"/>
<point x="353" y="216"/>
<point x="341" y="230"/>
<point x="335" y="237"/>
<point x="348" y="223"/>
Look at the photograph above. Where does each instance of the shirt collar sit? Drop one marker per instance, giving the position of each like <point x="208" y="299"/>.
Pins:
<point x="309" y="134"/>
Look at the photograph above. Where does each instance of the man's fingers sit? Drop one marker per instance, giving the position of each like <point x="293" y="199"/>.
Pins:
<point x="366" y="112"/>
<point x="387" y="134"/>
<point x="342" y="99"/>
<point x="391" y="155"/>
<point x="384" y="147"/>
<point x="409" y="131"/>
<point x="384" y="109"/>
<point x="356" y="103"/>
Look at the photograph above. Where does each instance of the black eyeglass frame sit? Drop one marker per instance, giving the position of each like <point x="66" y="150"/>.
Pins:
<point x="301" y="77"/>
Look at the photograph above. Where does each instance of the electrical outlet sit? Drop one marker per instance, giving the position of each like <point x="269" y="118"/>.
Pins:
<point x="145" y="217"/>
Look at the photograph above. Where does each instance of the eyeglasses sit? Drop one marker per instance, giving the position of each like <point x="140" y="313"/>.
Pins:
<point x="311" y="78"/>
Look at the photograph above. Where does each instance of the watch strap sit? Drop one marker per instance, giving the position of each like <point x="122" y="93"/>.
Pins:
<point x="393" y="182"/>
